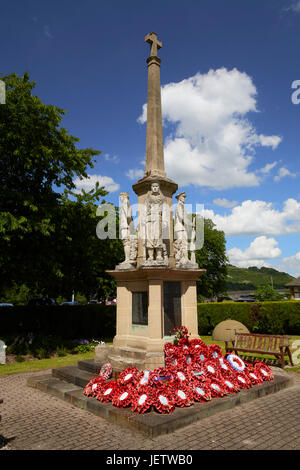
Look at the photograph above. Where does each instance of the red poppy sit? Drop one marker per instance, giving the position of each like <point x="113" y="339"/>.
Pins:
<point x="212" y="369"/>
<point x="108" y="390"/>
<point x="230" y="385"/>
<point x="201" y="355"/>
<point x="215" y="352"/>
<point x="254" y="376"/>
<point x="182" y="396"/>
<point x="181" y="376"/>
<point x="201" y="390"/>
<point x="163" y="401"/>
<point x="128" y="375"/>
<point x="160" y="377"/>
<point x="173" y="363"/>
<point x="143" y="400"/>
<point x="263" y="370"/>
<point x="143" y="378"/>
<point x="217" y="387"/>
<point x="197" y="372"/>
<point x="170" y="350"/>
<point x="123" y="397"/>
<point x="93" y="387"/>
<point x="242" y="380"/>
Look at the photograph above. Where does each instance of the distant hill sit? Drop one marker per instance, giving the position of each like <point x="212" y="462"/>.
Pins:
<point x="251" y="278"/>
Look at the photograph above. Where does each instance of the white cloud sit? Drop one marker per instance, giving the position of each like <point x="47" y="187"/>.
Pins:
<point x="260" y="249"/>
<point x="47" y="31"/>
<point x="291" y="264"/>
<point x="225" y="203"/>
<point x="258" y="218"/>
<point x="295" y="6"/>
<point x="135" y="173"/>
<point x="89" y="183"/>
<point x="266" y="169"/>
<point x="214" y="143"/>
<point x="113" y="159"/>
<point x="282" y="173"/>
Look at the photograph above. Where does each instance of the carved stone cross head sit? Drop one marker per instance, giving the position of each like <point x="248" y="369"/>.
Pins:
<point x="155" y="44"/>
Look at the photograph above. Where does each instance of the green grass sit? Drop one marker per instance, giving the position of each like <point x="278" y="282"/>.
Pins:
<point x="71" y="359"/>
<point x="53" y="362"/>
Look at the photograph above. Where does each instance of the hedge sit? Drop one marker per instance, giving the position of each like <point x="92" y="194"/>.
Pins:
<point x="68" y="322"/>
<point x="261" y="317"/>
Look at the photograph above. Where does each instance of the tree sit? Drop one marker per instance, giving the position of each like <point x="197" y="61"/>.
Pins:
<point x="267" y="293"/>
<point x="39" y="226"/>
<point x="212" y="257"/>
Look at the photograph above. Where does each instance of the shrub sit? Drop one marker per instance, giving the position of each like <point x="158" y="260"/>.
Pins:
<point x="260" y="317"/>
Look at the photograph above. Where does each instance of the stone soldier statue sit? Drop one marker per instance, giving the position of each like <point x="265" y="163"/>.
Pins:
<point x="180" y="229"/>
<point x="127" y="231"/>
<point x="155" y="226"/>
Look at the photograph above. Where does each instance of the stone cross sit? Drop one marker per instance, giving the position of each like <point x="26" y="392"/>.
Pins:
<point x="155" y="44"/>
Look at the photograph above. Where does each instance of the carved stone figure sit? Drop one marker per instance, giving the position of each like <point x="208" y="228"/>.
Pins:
<point x="127" y="235"/>
<point x="155" y="225"/>
<point x="181" y="245"/>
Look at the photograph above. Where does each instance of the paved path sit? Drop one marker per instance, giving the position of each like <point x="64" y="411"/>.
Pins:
<point x="33" y="420"/>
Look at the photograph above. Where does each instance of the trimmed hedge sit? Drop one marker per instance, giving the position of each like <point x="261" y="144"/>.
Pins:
<point x="68" y="322"/>
<point x="259" y="317"/>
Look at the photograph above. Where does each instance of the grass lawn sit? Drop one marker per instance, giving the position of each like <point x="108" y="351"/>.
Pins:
<point x="71" y="359"/>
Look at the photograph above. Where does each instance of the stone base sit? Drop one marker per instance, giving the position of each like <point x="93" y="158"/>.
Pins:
<point x="122" y="357"/>
<point x="67" y="383"/>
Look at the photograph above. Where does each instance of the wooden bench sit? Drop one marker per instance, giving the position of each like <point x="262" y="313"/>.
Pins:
<point x="262" y="344"/>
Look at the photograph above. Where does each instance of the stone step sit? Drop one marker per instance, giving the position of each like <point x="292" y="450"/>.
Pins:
<point x="74" y="375"/>
<point x="120" y="363"/>
<point x="90" y="366"/>
<point x="152" y="423"/>
<point x="131" y="352"/>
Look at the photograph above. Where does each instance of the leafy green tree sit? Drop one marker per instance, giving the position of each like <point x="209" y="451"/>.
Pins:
<point x="267" y="293"/>
<point x="48" y="242"/>
<point x="212" y="257"/>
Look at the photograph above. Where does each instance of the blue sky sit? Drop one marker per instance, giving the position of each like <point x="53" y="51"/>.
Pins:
<point x="231" y="130"/>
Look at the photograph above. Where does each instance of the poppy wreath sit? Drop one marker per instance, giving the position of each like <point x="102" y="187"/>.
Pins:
<point x="123" y="397"/>
<point x="254" y="376"/>
<point x="243" y="381"/>
<point x="182" y="395"/>
<point x="215" y="352"/>
<point x="128" y="375"/>
<point x="225" y="367"/>
<point x="236" y="362"/>
<point x="201" y="390"/>
<point x="201" y="355"/>
<point x="143" y="378"/>
<point x="184" y="345"/>
<point x="189" y="360"/>
<point x="160" y="377"/>
<point x="197" y="373"/>
<point x="142" y="400"/>
<point x="182" y="376"/>
<point x="217" y="388"/>
<point x="170" y="350"/>
<point x="107" y="392"/>
<point x="93" y="387"/>
<point x="263" y="370"/>
<point x="106" y="371"/>
<point x="197" y="343"/>
<point x="212" y="369"/>
<point x="230" y="385"/>
<point x="163" y="401"/>
<point x="173" y="363"/>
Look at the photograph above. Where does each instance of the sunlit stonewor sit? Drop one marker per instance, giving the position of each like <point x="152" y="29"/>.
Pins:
<point x="156" y="282"/>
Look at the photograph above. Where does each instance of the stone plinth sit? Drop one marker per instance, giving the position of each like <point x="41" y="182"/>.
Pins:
<point x="142" y="344"/>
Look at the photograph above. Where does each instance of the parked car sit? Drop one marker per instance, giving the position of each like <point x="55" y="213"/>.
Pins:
<point x="110" y="301"/>
<point x="41" y="301"/>
<point x="245" y="298"/>
<point x="4" y="304"/>
<point x="71" y="303"/>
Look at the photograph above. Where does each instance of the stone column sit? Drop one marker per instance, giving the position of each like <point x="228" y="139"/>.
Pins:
<point x="154" y="139"/>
